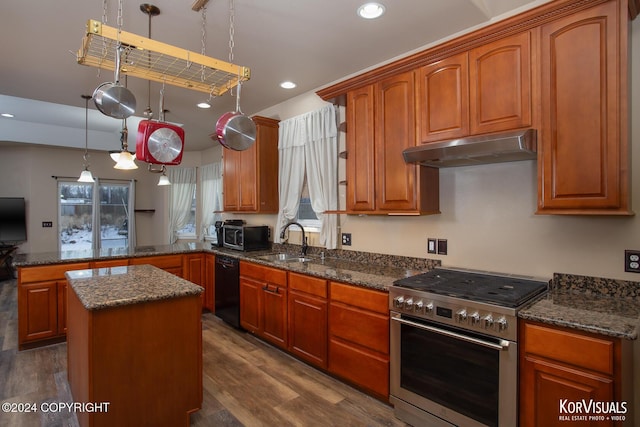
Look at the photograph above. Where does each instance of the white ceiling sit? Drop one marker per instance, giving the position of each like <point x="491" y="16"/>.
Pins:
<point x="313" y="43"/>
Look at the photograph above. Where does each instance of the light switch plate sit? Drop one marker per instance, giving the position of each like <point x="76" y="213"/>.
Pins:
<point x="431" y="246"/>
<point x="442" y="246"/>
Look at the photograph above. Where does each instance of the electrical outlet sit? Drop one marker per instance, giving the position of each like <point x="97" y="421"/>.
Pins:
<point x="431" y="246"/>
<point x="442" y="246"/>
<point x="47" y="224"/>
<point x="346" y="239"/>
<point x="632" y="261"/>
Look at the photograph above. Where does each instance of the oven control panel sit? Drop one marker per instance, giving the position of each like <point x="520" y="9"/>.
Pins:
<point x="488" y="320"/>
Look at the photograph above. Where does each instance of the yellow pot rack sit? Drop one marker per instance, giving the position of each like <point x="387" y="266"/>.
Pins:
<point x="153" y="60"/>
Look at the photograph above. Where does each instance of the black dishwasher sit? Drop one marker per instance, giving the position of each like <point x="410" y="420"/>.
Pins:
<point x="227" y="290"/>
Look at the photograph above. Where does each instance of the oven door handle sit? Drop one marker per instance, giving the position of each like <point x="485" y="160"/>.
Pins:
<point x="503" y="345"/>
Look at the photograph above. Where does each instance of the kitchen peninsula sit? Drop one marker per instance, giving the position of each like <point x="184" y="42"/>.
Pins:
<point x="134" y="343"/>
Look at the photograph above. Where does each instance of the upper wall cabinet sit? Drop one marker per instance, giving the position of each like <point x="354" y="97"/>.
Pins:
<point x="380" y="125"/>
<point x="583" y="149"/>
<point x="250" y="177"/>
<point x="487" y="89"/>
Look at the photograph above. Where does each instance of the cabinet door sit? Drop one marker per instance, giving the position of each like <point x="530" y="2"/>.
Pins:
<point x="210" y="282"/>
<point x="38" y="311"/>
<point x="274" y="314"/>
<point x="193" y="268"/>
<point x="247" y="183"/>
<point x="360" y="172"/>
<point x="308" y="328"/>
<point x="62" y="306"/>
<point x="582" y="152"/>
<point x="250" y="304"/>
<point x="394" y="132"/>
<point x="230" y="180"/>
<point x="443" y="99"/>
<point x="500" y="85"/>
<point x="549" y="383"/>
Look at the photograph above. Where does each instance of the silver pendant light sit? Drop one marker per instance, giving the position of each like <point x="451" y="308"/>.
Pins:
<point x="86" y="175"/>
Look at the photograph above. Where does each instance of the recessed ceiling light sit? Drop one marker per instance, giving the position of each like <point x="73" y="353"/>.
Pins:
<point x="371" y="10"/>
<point x="287" y="85"/>
<point x="204" y="104"/>
<point x="9" y="115"/>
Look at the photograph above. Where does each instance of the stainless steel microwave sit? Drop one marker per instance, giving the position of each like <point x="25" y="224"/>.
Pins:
<point x="245" y="237"/>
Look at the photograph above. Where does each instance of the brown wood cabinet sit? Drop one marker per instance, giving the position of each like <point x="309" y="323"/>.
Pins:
<point x="263" y="302"/>
<point x="359" y="337"/>
<point x="145" y="359"/>
<point x="487" y="89"/>
<point x="41" y="303"/>
<point x="209" y="282"/>
<point x="250" y="177"/>
<point x="583" y="163"/>
<point x="169" y="263"/>
<point x="559" y="363"/>
<point x="308" y="308"/>
<point x="380" y="125"/>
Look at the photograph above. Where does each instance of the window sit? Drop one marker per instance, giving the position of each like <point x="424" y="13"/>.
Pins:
<point x="94" y="216"/>
<point x="306" y="216"/>
<point x="189" y="230"/>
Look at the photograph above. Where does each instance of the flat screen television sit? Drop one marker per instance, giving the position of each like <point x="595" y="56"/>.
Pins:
<point x="13" y="220"/>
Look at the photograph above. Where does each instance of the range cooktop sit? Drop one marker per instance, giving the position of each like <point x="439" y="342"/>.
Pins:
<point x="507" y="291"/>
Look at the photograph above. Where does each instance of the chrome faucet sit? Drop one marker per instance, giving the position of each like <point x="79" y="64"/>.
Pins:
<point x="304" y="239"/>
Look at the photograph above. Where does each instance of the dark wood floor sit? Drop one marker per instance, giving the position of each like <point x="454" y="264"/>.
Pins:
<point x="246" y="382"/>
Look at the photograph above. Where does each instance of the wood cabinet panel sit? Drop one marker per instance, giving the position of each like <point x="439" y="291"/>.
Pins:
<point x="62" y="306"/>
<point x="559" y="363"/>
<point x="48" y="272"/>
<point x="210" y="282"/>
<point x="368" y="299"/>
<point x="193" y="268"/>
<point x="360" y="167"/>
<point x="108" y="263"/>
<point x="396" y="181"/>
<point x="38" y="308"/>
<point x="170" y="263"/>
<point x="442" y="99"/>
<point x="370" y="330"/>
<point x="263" y="302"/>
<point x="500" y="85"/>
<point x="308" y="311"/>
<point x="250" y="177"/>
<point x="365" y="369"/>
<point x="583" y="151"/>
<point x="577" y="349"/>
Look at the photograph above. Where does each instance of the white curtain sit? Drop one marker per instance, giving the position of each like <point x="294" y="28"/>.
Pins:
<point x="211" y="195"/>
<point x="309" y="143"/>
<point x="183" y="184"/>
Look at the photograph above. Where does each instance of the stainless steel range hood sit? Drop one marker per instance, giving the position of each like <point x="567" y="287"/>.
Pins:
<point x="475" y="150"/>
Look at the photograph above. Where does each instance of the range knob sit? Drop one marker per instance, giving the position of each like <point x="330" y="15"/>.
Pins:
<point x="461" y="315"/>
<point x="419" y="307"/>
<point x="428" y="309"/>
<point x="408" y="304"/>
<point x="502" y="324"/>
<point x="487" y="321"/>
<point x="474" y="318"/>
<point x="398" y="302"/>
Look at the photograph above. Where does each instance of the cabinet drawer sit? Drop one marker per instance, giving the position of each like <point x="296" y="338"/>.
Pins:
<point x="263" y="274"/>
<point x="365" y="369"/>
<point x="310" y="285"/>
<point x="369" y="330"/>
<point x="164" y="262"/>
<point x="49" y="272"/>
<point x="368" y="299"/>
<point x="574" y="348"/>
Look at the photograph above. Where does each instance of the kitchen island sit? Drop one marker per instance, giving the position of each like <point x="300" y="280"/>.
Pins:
<point x="134" y="346"/>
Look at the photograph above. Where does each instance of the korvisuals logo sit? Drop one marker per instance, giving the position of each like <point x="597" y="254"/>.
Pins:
<point x="591" y="410"/>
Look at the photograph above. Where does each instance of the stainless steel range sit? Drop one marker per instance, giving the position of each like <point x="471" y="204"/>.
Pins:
<point x="454" y="355"/>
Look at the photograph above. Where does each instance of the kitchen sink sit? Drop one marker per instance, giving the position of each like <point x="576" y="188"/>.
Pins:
<point x="284" y="257"/>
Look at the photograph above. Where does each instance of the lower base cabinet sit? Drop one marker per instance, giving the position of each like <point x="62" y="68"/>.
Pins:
<point x="263" y="302"/>
<point x="359" y="337"/>
<point x="564" y="365"/>
<point x="308" y="311"/>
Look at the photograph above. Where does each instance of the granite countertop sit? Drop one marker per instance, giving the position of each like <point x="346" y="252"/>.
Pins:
<point x="102" y="288"/>
<point x="375" y="271"/>
<point x="601" y="306"/>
